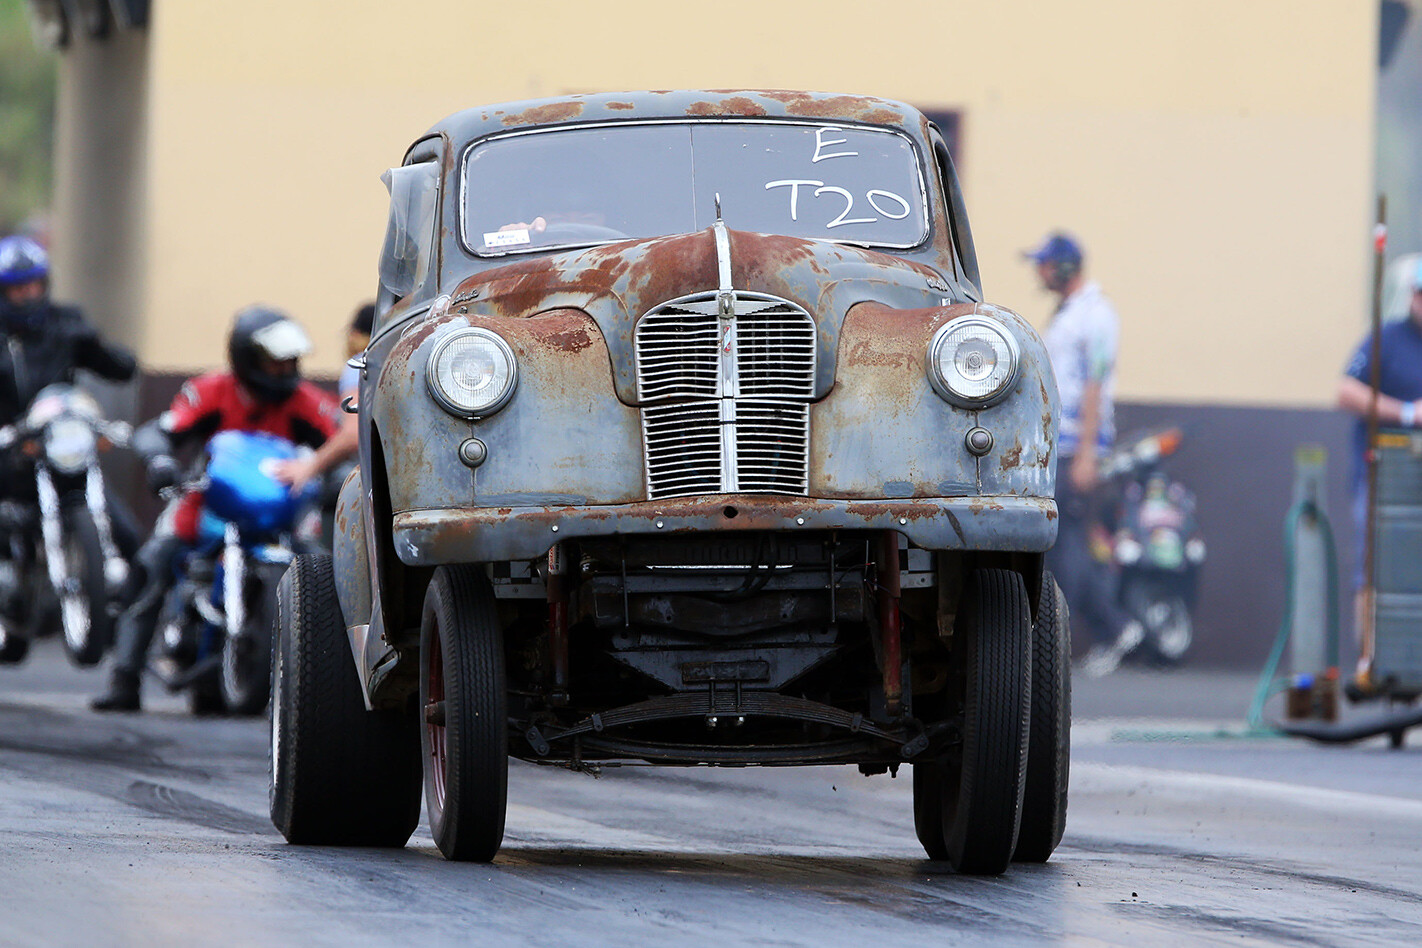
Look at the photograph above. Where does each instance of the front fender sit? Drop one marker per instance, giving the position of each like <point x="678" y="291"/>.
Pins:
<point x="884" y="432"/>
<point x="350" y="555"/>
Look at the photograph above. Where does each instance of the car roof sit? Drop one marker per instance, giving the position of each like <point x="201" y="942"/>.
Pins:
<point x="477" y="122"/>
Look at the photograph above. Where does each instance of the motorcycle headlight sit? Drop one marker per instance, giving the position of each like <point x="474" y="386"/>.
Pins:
<point x="472" y="373"/>
<point x="69" y="444"/>
<point x="1128" y="551"/>
<point x="1195" y="550"/>
<point x="972" y="362"/>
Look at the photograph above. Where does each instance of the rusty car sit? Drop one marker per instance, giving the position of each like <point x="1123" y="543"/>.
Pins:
<point x="686" y="438"/>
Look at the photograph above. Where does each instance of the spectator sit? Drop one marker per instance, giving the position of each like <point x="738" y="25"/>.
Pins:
<point x="1081" y="341"/>
<point x="1399" y="404"/>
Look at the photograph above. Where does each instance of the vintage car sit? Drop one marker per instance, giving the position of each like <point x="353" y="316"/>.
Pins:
<point x="686" y="437"/>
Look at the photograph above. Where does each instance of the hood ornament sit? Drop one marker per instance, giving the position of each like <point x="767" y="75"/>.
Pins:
<point x="725" y="293"/>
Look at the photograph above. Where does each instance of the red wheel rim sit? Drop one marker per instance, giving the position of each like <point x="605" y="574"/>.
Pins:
<point x="438" y="756"/>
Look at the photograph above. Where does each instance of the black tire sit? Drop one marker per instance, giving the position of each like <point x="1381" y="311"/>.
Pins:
<point x="84" y="616"/>
<point x="465" y="736"/>
<point x="1044" y="798"/>
<point x="993" y="642"/>
<point x="246" y="671"/>
<point x="340" y="775"/>
<point x="14" y="645"/>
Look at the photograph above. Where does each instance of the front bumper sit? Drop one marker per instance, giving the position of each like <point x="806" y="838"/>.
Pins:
<point x="430" y="537"/>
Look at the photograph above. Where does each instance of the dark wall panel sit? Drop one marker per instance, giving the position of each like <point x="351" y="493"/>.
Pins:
<point x="1240" y="464"/>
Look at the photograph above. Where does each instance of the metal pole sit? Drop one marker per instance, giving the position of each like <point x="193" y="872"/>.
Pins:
<point x="1368" y="608"/>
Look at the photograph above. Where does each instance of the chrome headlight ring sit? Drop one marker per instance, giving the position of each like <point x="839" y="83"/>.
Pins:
<point x="472" y="373"/>
<point x="973" y="361"/>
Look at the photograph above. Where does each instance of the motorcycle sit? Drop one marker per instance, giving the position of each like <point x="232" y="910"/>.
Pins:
<point x="1156" y="546"/>
<point x="58" y="553"/>
<point x="215" y="625"/>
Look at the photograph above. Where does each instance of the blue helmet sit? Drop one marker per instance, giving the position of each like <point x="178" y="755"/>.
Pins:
<point x="22" y="261"/>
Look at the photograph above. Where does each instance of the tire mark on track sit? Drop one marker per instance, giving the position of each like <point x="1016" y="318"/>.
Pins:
<point x="178" y="804"/>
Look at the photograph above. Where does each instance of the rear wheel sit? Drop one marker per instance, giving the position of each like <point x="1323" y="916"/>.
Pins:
<point x="983" y="782"/>
<point x="1044" y="798"/>
<point x="465" y="735"/>
<point x="340" y="775"/>
<point x="83" y="602"/>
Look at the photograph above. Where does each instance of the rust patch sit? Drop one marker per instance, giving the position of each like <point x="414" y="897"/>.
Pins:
<point x="570" y="340"/>
<point x="638" y="271"/>
<point x="543" y="114"/>
<point x="861" y="108"/>
<point x="887" y="337"/>
<point x="735" y="105"/>
<point x="1013" y="458"/>
<point x="620" y="106"/>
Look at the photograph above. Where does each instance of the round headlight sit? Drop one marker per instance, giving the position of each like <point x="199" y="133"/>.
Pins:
<point x="472" y="372"/>
<point x="972" y="362"/>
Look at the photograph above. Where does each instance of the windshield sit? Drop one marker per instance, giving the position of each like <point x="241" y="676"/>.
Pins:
<point x="580" y="186"/>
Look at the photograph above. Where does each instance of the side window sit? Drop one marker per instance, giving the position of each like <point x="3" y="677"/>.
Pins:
<point x="957" y="212"/>
<point x="408" y="251"/>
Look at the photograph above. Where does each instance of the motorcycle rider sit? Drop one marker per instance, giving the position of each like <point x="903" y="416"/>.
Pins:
<point x="41" y="343"/>
<point x="262" y="391"/>
<point x="44" y="342"/>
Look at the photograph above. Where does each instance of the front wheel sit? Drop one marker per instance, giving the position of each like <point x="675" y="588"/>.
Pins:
<point x="340" y="775"/>
<point x="245" y="678"/>
<point x="1044" y="798"/>
<point x="464" y="703"/>
<point x="84" y="595"/>
<point x="982" y="784"/>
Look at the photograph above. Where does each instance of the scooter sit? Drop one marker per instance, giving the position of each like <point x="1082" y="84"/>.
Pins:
<point x="216" y="623"/>
<point x="59" y="554"/>
<point x="1156" y="546"/>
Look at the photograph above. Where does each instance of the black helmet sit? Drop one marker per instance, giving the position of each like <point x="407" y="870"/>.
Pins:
<point x="262" y="335"/>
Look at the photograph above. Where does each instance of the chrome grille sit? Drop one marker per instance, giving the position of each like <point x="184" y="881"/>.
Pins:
<point x="725" y="400"/>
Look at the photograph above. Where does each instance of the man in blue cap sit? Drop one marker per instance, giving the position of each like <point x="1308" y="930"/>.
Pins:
<point x="1081" y="341"/>
<point x="1399" y="405"/>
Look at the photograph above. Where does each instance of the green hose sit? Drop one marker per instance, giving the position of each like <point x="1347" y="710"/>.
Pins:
<point x="1269" y="684"/>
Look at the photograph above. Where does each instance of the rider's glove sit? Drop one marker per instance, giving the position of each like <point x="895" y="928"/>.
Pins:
<point x="162" y="472"/>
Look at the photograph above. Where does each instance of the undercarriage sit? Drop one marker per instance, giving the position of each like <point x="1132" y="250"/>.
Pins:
<point x="758" y="648"/>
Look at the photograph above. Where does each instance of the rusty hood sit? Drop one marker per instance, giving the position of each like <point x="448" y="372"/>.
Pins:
<point x="616" y="284"/>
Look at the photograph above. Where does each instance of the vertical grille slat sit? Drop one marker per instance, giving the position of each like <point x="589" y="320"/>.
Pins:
<point x="720" y="393"/>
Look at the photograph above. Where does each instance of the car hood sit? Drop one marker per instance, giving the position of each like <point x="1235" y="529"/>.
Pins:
<point x="615" y="284"/>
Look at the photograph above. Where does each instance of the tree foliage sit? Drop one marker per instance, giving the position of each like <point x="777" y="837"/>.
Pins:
<point x="27" y="89"/>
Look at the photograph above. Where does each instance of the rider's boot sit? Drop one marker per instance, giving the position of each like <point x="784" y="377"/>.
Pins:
<point x="122" y="694"/>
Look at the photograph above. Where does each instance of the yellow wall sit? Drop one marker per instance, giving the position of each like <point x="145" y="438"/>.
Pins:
<point x="1215" y="156"/>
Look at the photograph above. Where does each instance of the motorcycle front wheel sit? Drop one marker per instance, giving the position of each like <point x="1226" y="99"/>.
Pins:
<point x="83" y="599"/>
<point x="247" y="659"/>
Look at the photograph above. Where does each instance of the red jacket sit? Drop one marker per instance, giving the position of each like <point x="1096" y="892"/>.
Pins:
<point x="218" y="402"/>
